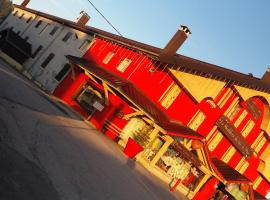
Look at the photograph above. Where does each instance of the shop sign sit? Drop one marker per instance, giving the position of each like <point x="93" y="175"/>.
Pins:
<point x="223" y="123"/>
<point x="186" y="154"/>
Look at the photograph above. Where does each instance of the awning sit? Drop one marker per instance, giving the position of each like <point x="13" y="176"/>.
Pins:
<point x="136" y="97"/>
<point x="227" y="173"/>
<point x="17" y="42"/>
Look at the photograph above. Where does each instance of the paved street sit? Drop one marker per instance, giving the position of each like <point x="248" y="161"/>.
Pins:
<point x="48" y="152"/>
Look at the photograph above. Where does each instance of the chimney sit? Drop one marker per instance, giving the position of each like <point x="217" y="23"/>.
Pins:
<point x="266" y="76"/>
<point x="83" y="18"/>
<point x="25" y="3"/>
<point x="177" y="40"/>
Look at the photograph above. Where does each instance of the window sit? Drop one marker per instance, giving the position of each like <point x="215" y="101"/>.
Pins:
<point x="63" y="72"/>
<point x="21" y="15"/>
<point x="29" y="19"/>
<point x="124" y="64"/>
<point x="90" y="99"/>
<point x="44" y="29"/>
<point x="196" y="120"/>
<point x="108" y="57"/>
<point x="37" y="51"/>
<point x="15" y="13"/>
<point x="47" y="60"/>
<point x="38" y="23"/>
<point x="67" y="36"/>
<point x="84" y="45"/>
<point x="215" y="140"/>
<point x="169" y="96"/>
<point x="54" y="30"/>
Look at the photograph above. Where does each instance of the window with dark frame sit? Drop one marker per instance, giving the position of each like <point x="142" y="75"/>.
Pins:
<point x="84" y="45"/>
<point x="61" y="74"/>
<point x="38" y="23"/>
<point x="47" y="60"/>
<point x="21" y="15"/>
<point x="37" y="51"/>
<point x="54" y="30"/>
<point x="15" y="13"/>
<point x="67" y="36"/>
<point x="44" y="29"/>
<point x="29" y="19"/>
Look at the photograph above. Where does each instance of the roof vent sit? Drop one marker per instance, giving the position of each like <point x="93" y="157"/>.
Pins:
<point x="25" y="3"/>
<point x="177" y="40"/>
<point x="83" y="18"/>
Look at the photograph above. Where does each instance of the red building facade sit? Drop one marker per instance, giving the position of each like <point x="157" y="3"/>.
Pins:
<point x="205" y="128"/>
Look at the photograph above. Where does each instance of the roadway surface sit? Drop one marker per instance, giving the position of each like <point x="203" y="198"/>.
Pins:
<point x="48" y="153"/>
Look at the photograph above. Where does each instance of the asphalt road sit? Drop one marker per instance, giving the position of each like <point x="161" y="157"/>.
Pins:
<point x="48" y="152"/>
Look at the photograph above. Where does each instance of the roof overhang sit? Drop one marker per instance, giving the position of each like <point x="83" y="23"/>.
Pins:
<point x="136" y="97"/>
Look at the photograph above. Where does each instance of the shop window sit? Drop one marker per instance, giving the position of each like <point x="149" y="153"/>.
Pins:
<point x="44" y="29"/>
<point x="169" y="96"/>
<point x="47" y="60"/>
<point x="37" y="51"/>
<point x="178" y="168"/>
<point x="132" y="127"/>
<point x="90" y="99"/>
<point x="108" y="57"/>
<point x="153" y="148"/>
<point x="62" y="73"/>
<point x="84" y="45"/>
<point x="29" y="19"/>
<point x="66" y="37"/>
<point x="21" y="16"/>
<point x="236" y="191"/>
<point x="54" y="30"/>
<point x="124" y="64"/>
<point x="38" y="23"/>
<point x="196" y="120"/>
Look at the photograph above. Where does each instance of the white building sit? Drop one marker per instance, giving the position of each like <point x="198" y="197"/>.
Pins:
<point x="52" y="38"/>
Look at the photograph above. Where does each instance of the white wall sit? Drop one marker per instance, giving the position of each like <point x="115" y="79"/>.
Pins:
<point x="50" y="43"/>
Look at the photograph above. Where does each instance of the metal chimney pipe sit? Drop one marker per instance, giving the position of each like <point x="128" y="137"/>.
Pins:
<point x="177" y="40"/>
<point x="25" y="3"/>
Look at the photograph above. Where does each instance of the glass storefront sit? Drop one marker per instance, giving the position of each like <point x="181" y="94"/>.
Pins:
<point x="180" y="169"/>
<point x="90" y="99"/>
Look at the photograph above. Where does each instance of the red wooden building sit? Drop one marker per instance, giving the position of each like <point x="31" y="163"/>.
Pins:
<point x="202" y="126"/>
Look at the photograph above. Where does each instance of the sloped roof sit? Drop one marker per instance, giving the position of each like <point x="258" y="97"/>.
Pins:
<point x="227" y="173"/>
<point x="191" y="65"/>
<point x="135" y="95"/>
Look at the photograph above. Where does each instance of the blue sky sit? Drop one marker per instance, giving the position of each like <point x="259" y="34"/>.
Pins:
<point x="232" y="34"/>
